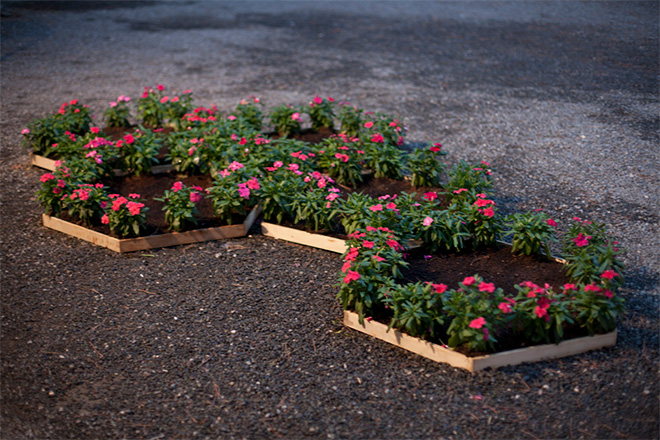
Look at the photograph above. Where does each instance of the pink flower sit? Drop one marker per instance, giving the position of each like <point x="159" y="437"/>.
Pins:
<point x="231" y="117"/>
<point x="243" y="190"/>
<point x="332" y="197"/>
<point x="25" y="131"/>
<point x="581" y="240"/>
<point x="116" y="204"/>
<point x="160" y="87"/>
<point x="378" y="258"/>
<point x="352" y="254"/>
<point x="234" y="166"/>
<point x="431" y="196"/>
<point x="134" y="196"/>
<point x="368" y="124"/>
<point x="195" y="196"/>
<point x="225" y="173"/>
<point x="105" y="220"/>
<point x="377" y="137"/>
<point x="488" y="212"/>
<point x="486" y="287"/>
<point x="435" y="148"/>
<point x="505" y="307"/>
<point x="95" y="130"/>
<point x="477" y="323"/>
<point x="427" y="221"/>
<point x="342" y="157"/>
<point x="569" y="286"/>
<point x="468" y="281"/>
<point x="391" y="206"/>
<point x="134" y="207"/>
<point x="458" y="191"/>
<point x="368" y="244"/>
<point x="486" y="333"/>
<point x="351" y="276"/>
<point x="253" y="183"/>
<point x="164" y="99"/>
<point x="439" y="288"/>
<point x="541" y="311"/>
<point x="46" y="177"/>
<point x="552" y="223"/>
<point x="377" y="207"/>
<point x="296" y="117"/>
<point x="609" y="274"/>
<point x="483" y="202"/>
<point x="178" y="186"/>
<point x="346" y="266"/>
<point x="129" y="138"/>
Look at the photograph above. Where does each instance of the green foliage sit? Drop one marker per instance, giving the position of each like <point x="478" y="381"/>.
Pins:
<point x="321" y="112"/>
<point x="286" y="119"/>
<point x="530" y="232"/>
<point x="416" y="308"/>
<point x="139" y="151"/>
<point x="180" y="205"/>
<point x="425" y="167"/>
<point x="117" y="114"/>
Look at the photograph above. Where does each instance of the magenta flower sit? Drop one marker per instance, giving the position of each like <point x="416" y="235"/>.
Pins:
<point x="195" y="196"/>
<point x="477" y="323"/>
<point x="243" y="190"/>
<point x="431" y="195"/>
<point x="427" y="221"/>
<point x="234" y="166"/>
<point x="581" y="240"/>
<point x="253" y="183"/>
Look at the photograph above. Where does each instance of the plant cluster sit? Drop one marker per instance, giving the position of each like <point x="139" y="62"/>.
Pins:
<point x="310" y="184"/>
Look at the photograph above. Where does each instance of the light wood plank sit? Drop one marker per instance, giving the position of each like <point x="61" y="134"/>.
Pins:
<point x="514" y="357"/>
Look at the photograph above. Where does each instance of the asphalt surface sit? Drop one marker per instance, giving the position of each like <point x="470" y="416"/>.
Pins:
<point x="562" y="99"/>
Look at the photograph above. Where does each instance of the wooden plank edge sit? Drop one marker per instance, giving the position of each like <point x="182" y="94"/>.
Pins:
<point x="42" y="162"/>
<point x="49" y="165"/>
<point x="305" y="238"/>
<point x="151" y="242"/>
<point x="438" y="353"/>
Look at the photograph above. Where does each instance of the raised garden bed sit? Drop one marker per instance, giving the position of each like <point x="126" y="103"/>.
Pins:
<point x="154" y="241"/>
<point x="439" y="353"/>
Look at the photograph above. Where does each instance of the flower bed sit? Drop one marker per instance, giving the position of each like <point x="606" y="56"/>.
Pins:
<point x="316" y="186"/>
<point x="444" y="354"/>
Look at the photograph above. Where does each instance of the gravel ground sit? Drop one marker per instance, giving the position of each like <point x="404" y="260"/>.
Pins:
<point x="242" y="338"/>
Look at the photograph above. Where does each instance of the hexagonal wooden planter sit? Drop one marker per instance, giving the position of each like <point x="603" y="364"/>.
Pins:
<point x="153" y="241"/>
<point x="439" y="353"/>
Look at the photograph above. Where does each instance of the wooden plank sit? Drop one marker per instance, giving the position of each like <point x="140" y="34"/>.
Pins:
<point x="318" y="241"/>
<point x="42" y="162"/>
<point x="154" y="241"/>
<point x="514" y="357"/>
<point x="49" y="165"/>
<point x="305" y="238"/>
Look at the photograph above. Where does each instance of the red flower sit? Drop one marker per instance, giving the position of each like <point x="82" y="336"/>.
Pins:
<point x="552" y="223"/>
<point x="435" y="148"/>
<point x="351" y="276"/>
<point x="486" y="287"/>
<point x="609" y="274"/>
<point x="582" y="240"/>
<point x="468" y="281"/>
